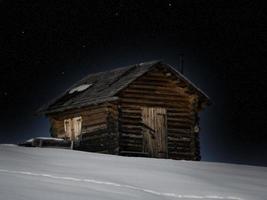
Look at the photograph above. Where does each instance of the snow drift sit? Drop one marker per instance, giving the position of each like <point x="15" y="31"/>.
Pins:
<point x="43" y="173"/>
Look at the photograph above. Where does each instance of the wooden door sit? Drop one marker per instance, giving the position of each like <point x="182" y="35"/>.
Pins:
<point x="154" y="131"/>
<point x="73" y="127"/>
<point x="77" y="126"/>
<point x="67" y="128"/>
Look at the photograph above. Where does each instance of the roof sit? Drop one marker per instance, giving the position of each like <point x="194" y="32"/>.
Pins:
<point x="104" y="86"/>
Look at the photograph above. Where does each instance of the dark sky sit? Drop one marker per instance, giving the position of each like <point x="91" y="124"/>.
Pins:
<point x="45" y="46"/>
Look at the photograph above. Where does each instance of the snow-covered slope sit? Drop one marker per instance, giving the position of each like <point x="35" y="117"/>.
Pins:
<point x="40" y="173"/>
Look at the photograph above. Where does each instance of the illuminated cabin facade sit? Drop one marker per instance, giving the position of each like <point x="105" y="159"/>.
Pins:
<point x="147" y="109"/>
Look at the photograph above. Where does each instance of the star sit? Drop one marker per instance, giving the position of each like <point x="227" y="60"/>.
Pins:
<point x="116" y="14"/>
<point x="170" y="4"/>
<point x="62" y="72"/>
<point x="22" y="32"/>
<point x="5" y="93"/>
<point x="83" y="46"/>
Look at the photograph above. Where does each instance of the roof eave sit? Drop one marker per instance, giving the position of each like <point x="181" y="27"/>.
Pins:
<point x="204" y="96"/>
<point x="78" y="106"/>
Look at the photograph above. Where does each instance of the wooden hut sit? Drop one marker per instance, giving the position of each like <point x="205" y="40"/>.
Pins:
<point x="147" y="109"/>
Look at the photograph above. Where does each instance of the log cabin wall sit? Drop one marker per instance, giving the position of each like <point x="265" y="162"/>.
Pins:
<point x="113" y="131"/>
<point x="159" y="88"/>
<point x="99" y="127"/>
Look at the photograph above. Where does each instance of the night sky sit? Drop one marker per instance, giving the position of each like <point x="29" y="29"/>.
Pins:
<point x="45" y="46"/>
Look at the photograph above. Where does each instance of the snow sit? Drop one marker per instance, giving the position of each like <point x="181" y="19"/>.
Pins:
<point x="49" y="138"/>
<point x="80" y="88"/>
<point x="45" y="138"/>
<point x="29" y="140"/>
<point x="48" y="173"/>
<point x="9" y="145"/>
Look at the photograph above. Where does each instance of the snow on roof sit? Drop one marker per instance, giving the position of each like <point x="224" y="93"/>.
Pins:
<point x="30" y="140"/>
<point x="49" y="138"/>
<point x="80" y="88"/>
<point x="44" y="138"/>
